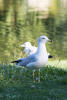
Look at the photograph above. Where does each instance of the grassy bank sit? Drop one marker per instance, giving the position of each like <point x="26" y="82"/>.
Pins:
<point x="16" y="83"/>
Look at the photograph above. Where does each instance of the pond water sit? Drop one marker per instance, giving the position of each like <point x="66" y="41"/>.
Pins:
<point x="18" y="25"/>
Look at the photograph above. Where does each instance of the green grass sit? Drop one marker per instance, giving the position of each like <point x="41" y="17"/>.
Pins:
<point x="16" y="83"/>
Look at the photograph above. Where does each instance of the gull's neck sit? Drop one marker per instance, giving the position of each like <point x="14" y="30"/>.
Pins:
<point x="42" y="48"/>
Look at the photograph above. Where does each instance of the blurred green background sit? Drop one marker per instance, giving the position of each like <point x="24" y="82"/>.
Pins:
<point x="26" y="20"/>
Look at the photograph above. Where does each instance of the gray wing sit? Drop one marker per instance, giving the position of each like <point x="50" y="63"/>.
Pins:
<point x="28" y="60"/>
<point x="25" y="61"/>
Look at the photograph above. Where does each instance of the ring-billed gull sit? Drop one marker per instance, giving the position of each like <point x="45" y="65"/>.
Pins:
<point x="38" y="59"/>
<point x="29" y="49"/>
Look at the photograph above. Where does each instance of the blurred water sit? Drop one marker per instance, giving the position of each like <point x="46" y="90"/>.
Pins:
<point x="18" y="25"/>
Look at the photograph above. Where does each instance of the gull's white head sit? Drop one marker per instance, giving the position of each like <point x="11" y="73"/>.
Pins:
<point x="26" y="44"/>
<point x="43" y="39"/>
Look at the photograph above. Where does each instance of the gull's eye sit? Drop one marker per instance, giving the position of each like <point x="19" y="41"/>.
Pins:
<point x="43" y="38"/>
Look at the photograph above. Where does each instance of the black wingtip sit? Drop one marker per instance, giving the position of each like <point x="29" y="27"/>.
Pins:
<point x="16" y="61"/>
<point x="50" y="56"/>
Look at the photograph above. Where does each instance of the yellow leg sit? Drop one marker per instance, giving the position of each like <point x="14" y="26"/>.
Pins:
<point x="33" y="75"/>
<point x="39" y="76"/>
